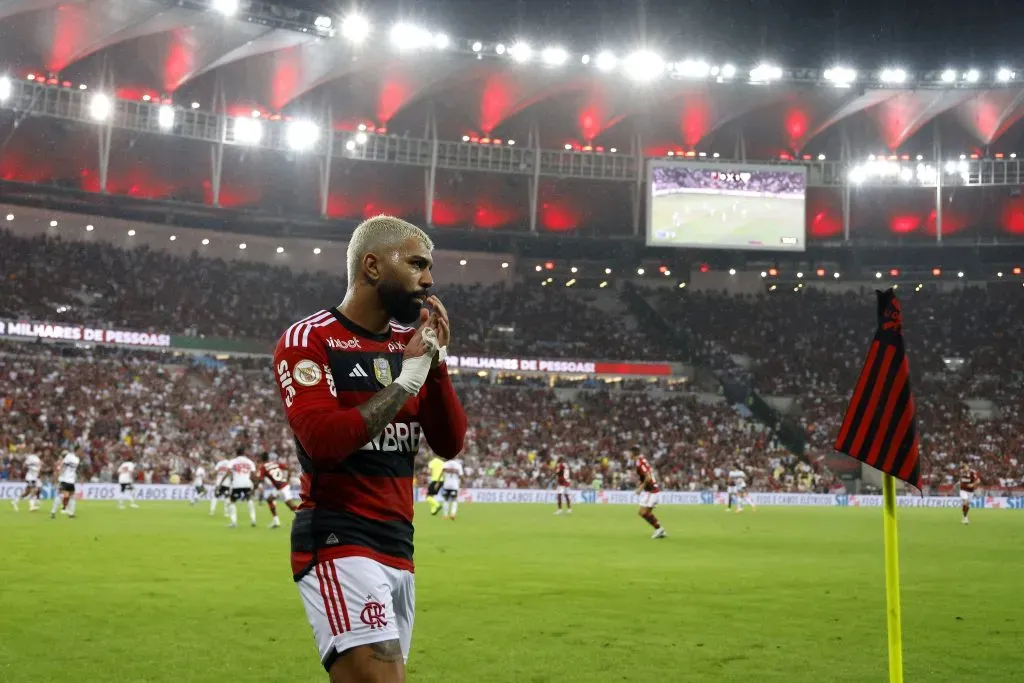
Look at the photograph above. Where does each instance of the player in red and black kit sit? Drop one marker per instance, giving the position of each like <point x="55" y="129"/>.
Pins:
<point x="359" y="392"/>
<point x="969" y="483"/>
<point x="564" y="487"/>
<point x="276" y="474"/>
<point x="647" y="491"/>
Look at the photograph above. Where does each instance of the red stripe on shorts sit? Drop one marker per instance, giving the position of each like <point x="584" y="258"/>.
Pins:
<point x="341" y="597"/>
<point x="328" y="606"/>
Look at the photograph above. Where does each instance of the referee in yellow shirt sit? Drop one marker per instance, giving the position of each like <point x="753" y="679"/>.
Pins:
<point x="436" y="466"/>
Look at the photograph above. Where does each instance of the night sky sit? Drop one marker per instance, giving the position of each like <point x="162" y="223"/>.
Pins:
<point x="798" y="33"/>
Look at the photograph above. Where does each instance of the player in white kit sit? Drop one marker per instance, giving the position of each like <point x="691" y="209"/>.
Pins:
<point x="199" y="484"/>
<point x="67" y="477"/>
<point x="222" y="485"/>
<point x="738" y="489"/>
<point x="453" y="474"/>
<point x="126" y="479"/>
<point x="33" y="486"/>
<point x="243" y="471"/>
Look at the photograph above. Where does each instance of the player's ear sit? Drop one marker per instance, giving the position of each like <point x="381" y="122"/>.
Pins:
<point x="371" y="267"/>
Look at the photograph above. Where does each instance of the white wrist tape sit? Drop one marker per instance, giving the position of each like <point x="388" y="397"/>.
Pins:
<point x="430" y="338"/>
<point x="414" y="373"/>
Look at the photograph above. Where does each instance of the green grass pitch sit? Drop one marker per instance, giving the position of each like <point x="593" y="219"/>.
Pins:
<point x="728" y="221"/>
<point x="512" y="593"/>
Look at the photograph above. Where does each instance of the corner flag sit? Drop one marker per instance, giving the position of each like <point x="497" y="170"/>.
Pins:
<point x="880" y="429"/>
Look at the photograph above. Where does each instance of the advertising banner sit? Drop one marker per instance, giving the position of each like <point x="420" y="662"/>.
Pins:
<point x="80" y="333"/>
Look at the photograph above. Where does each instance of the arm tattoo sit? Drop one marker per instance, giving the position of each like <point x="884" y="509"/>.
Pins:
<point x="389" y="651"/>
<point x="382" y="408"/>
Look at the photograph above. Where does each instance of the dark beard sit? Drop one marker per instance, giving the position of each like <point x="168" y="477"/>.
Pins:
<point x="400" y="305"/>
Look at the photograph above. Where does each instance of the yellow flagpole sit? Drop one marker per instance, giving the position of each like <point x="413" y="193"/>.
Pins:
<point x="892" y="580"/>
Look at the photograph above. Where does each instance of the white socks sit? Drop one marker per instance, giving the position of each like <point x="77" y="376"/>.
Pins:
<point x="252" y="512"/>
<point x="455" y="507"/>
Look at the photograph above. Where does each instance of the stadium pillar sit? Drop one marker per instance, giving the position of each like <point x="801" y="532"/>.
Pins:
<point x="325" y="164"/>
<point x="534" y="188"/>
<point x="432" y="171"/>
<point x="105" y="132"/>
<point x="217" y="151"/>
<point x="638" y="186"/>
<point x="938" y="181"/>
<point x="844" y="158"/>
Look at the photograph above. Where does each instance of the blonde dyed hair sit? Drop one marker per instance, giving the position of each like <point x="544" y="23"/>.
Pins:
<point x="376" y="234"/>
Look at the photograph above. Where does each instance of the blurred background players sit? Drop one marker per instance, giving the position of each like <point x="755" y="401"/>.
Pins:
<point x="67" y="477"/>
<point x="564" y="487"/>
<point x="33" y="486"/>
<point x="126" y="478"/>
<point x="453" y="473"/>
<point x="276" y="474"/>
<point x="647" y="491"/>
<point x="222" y="488"/>
<point x="436" y="467"/>
<point x="199" y="484"/>
<point x="969" y="482"/>
<point x="241" y="476"/>
<point x="737" y="489"/>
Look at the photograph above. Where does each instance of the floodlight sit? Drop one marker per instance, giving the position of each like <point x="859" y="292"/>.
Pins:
<point x="644" y="66"/>
<point x="765" y="73"/>
<point x="605" y="60"/>
<point x="100" y="107"/>
<point x="693" y="68"/>
<point x="302" y="135"/>
<point x="323" y="22"/>
<point x="355" y="27"/>
<point x="840" y="76"/>
<point x="972" y="76"/>
<point x="948" y="76"/>
<point x="248" y="131"/>
<point x="165" y="117"/>
<point x="408" y="37"/>
<point x="1005" y="75"/>
<point x="226" y="7"/>
<point x="554" y="56"/>
<point x="520" y="52"/>
<point x="893" y="75"/>
<point x="5" y="88"/>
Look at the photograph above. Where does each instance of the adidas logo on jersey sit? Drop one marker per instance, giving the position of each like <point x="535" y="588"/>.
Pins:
<point x="358" y="371"/>
<point x="332" y="539"/>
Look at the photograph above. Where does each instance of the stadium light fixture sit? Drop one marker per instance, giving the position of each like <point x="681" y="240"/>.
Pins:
<point x="462" y="262"/>
<point x="504" y="264"/>
<point x="100" y="107"/>
<point x="243" y="246"/>
<point x="10" y="217"/>
<point x="131" y="233"/>
<point x="858" y="175"/>
<point x="226" y="7"/>
<point x="878" y="275"/>
<point x="906" y="174"/>
<point x="764" y="273"/>
<point x="607" y="271"/>
<point x="682" y="285"/>
<point x="5" y="88"/>
<point x="640" y="271"/>
<point x="442" y="41"/>
<point x="173" y="238"/>
<point x="960" y="273"/>
<point x="323" y="22"/>
<point x="835" y="275"/>
<point x="972" y="75"/>
<point x="585" y="59"/>
<point x="521" y="52"/>
<point x="604" y="283"/>
<point x="554" y="56"/>
<point x="605" y="61"/>
<point x="821" y="157"/>
<point x="571" y="282"/>
<point x="361" y="138"/>
<point x="893" y="76"/>
<point x="355" y="28"/>
<point x="800" y="275"/>
<point x="465" y="138"/>
<point x="280" y="250"/>
<point x="574" y="270"/>
<point x="302" y="135"/>
<point x="1005" y="75"/>
<point x="83" y="86"/>
<point x="728" y="71"/>
<point x="477" y="46"/>
<point x="316" y="250"/>
<point x="90" y="228"/>
<point x="840" y="76"/>
<point x="643" y="66"/>
<point x="1013" y="155"/>
<point x="350" y="145"/>
<point x="999" y="274"/>
<point x="206" y="241"/>
<point x="248" y="131"/>
<point x="732" y="271"/>
<point x="499" y="49"/>
<point x="195" y="105"/>
<point x="511" y="142"/>
<point x="692" y="68"/>
<point x="53" y="224"/>
<point x="949" y="75"/>
<point x="537" y="268"/>
<point x="765" y="73"/>
<point x="409" y="37"/>
<point x="165" y="117"/>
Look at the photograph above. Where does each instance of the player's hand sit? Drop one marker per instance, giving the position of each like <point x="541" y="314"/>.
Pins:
<point x="416" y="346"/>
<point x="439" y="321"/>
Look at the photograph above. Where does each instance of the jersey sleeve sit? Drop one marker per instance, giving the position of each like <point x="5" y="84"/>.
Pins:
<point x="328" y="432"/>
<point x="441" y="414"/>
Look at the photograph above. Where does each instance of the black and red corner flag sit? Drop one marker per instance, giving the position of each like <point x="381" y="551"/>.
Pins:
<point x="880" y="427"/>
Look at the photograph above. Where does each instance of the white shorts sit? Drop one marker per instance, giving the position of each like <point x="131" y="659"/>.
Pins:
<point x="32" y="481"/>
<point x="355" y="601"/>
<point x="563" y="491"/>
<point x="730" y="490"/>
<point x="966" y="495"/>
<point x="648" y="499"/>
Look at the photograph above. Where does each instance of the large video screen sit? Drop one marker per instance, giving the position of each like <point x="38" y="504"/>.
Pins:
<point x="726" y="206"/>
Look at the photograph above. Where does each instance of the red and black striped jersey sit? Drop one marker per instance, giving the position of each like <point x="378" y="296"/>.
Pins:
<point x="357" y="487"/>
<point x="562" y="474"/>
<point x="969" y="480"/>
<point x="274" y="472"/>
<point x="643" y="468"/>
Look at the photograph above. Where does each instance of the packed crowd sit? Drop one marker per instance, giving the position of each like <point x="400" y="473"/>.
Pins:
<point x="776" y="182"/>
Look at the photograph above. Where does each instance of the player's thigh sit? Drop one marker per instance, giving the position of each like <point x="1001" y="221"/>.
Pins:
<point x="350" y="603"/>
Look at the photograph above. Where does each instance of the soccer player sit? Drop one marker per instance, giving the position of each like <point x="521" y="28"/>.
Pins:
<point x="66" y="478"/>
<point x="436" y="467"/>
<point x="359" y="390"/>
<point x="221" y="490"/>
<point x="199" y="483"/>
<point x="647" y="491"/>
<point x="126" y="478"/>
<point x="242" y="479"/>
<point x="453" y="473"/>
<point x="738" y="489"/>
<point x="277" y="474"/>
<point x="564" y="487"/>
<point x="969" y="482"/>
<point x="33" y="487"/>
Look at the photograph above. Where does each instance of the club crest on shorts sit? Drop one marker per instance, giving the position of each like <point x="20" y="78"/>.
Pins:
<point x="382" y="371"/>
<point x="307" y="373"/>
